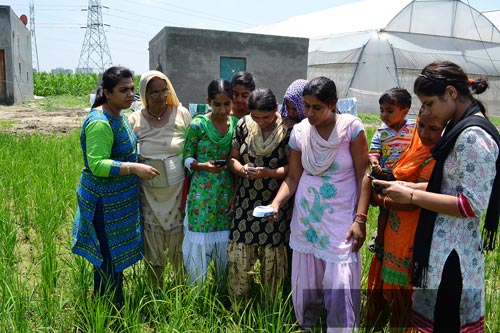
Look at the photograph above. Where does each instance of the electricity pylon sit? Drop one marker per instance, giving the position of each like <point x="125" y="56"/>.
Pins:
<point x="95" y="56"/>
<point x="34" y="49"/>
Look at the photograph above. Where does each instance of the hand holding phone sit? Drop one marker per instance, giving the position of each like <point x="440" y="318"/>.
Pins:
<point x="251" y="169"/>
<point x="220" y="163"/>
<point x="378" y="188"/>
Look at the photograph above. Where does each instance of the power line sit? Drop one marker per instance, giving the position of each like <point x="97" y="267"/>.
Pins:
<point x="193" y="12"/>
<point x="171" y="8"/>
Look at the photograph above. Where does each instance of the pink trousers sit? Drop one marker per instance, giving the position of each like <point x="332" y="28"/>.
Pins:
<point x="318" y="284"/>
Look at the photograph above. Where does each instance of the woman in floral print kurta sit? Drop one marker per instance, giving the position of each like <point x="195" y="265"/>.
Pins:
<point x="260" y="140"/>
<point x="327" y="167"/>
<point x="465" y="183"/>
<point x="211" y="193"/>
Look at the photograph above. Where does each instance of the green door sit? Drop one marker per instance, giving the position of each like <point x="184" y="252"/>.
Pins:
<point x="231" y="66"/>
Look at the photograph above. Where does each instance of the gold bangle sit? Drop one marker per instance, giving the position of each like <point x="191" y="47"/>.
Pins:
<point x="359" y="221"/>
<point x="383" y="203"/>
<point x="242" y="170"/>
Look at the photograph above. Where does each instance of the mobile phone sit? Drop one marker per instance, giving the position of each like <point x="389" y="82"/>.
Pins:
<point x="220" y="163"/>
<point x="252" y="169"/>
<point x="378" y="188"/>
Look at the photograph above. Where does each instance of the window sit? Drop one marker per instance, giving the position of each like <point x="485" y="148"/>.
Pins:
<point x="230" y="66"/>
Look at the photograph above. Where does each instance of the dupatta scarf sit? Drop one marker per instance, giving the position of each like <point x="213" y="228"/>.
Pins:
<point x="257" y="146"/>
<point x="413" y="159"/>
<point x="319" y="154"/>
<point x="427" y="219"/>
<point x="213" y="134"/>
<point x="294" y="95"/>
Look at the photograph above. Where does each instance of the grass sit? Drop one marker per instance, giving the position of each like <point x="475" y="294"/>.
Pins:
<point x="59" y="103"/>
<point x="44" y="288"/>
<point x="495" y="121"/>
<point x="7" y="123"/>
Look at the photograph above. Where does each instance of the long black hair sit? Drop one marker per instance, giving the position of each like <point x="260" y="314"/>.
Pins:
<point x="436" y="76"/>
<point x="323" y="89"/>
<point x="262" y="99"/>
<point x="245" y="79"/>
<point x="219" y="86"/>
<point x="110" y="78"/>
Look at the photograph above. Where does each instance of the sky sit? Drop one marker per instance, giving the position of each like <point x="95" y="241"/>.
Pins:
<point x="133" y="23"/>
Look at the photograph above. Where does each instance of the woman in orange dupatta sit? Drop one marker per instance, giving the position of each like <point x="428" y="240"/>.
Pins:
<point x="415" y="165"/>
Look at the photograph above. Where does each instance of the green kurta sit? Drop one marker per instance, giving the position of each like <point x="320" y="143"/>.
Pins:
<point x="209" y="193"/>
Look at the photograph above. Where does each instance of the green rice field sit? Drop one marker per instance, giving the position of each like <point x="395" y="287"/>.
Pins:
<point x="45" y="288"/>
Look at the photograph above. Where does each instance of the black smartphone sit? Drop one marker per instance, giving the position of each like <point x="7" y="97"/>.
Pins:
<point x="378" y="188"/>
<point x="220" y="163"/>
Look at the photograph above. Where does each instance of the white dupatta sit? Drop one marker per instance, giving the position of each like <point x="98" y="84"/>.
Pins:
<point x="318" y="154"/>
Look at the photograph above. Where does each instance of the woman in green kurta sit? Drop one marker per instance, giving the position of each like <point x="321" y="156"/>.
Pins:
<point x="211" y="192"/>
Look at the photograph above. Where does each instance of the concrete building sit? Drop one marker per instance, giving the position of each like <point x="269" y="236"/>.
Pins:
<point x="191" y="58"/>
<point x="16" y="72"/>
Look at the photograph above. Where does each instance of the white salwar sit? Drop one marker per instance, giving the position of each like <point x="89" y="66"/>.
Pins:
<point x="201" y="248"/>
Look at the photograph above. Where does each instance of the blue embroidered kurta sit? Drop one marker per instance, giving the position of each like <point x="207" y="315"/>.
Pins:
<point x="118" y="194"/>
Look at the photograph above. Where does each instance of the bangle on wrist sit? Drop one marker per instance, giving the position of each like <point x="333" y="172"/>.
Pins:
<point x="359" y="221"/>
<point x="361" y="215"/>
<point x="242" y="170"/>
<point x="383" y="203"/>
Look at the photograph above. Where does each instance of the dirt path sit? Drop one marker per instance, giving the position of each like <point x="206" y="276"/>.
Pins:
<point x="29" y="120"/>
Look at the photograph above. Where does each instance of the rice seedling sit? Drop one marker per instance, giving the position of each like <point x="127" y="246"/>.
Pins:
<point x="46" y="288"/>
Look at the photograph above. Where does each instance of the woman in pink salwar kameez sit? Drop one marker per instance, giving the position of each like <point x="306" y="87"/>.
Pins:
<point x="328" y="162"/>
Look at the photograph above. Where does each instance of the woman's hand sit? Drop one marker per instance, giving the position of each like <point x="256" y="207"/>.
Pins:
<point x="144" y="171"/>
<point x="211" y="167"/>
<point x="398" y="191"/>
<point x="275" y="215"/>
<point x="358" y="232"/>
<point x="255" y="172"/>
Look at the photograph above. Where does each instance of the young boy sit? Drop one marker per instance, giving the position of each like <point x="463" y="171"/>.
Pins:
<point x="388" y="144"/>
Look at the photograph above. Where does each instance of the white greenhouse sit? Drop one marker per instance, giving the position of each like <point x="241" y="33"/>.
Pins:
<point x="369" y="46"/>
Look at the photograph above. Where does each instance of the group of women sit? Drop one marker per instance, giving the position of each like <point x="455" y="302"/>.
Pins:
<point x="308" y="163"/>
